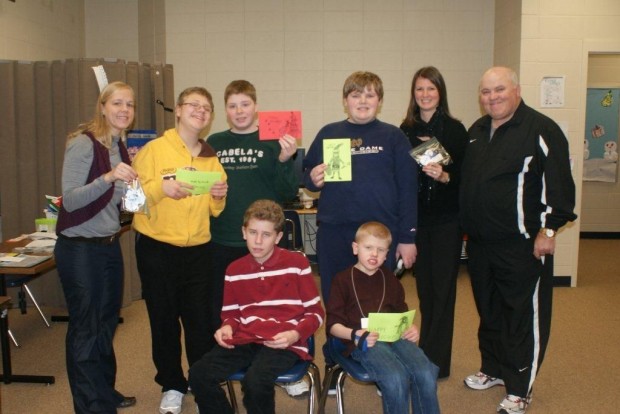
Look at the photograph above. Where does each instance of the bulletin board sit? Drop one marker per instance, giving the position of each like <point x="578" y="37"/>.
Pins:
<point x="601" y="135"/>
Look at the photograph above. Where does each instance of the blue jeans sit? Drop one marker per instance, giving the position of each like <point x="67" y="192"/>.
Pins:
<point x="92" y="280"/>
<point x="401" y="370"/>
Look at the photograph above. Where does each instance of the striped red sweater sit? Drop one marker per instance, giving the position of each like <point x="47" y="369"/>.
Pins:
<point x="261" y="300"/>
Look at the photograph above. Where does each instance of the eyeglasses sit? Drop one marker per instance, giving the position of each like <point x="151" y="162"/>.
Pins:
<point x="197" y="106"/>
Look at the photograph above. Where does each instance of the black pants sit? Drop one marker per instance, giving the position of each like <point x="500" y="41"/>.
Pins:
<point x="263" y="364"/>
<point x="436" y="269"/>
<point x="513" y="292"/>
<point x="222" y="256"/>
<point x="176" y="289"/>
<point x="92" y="281"/>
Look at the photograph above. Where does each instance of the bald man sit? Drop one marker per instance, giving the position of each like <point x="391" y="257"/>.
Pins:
<point x="516" y="192"/>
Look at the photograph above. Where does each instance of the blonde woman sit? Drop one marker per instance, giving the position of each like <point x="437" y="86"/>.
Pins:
<point x="88" y="254"/>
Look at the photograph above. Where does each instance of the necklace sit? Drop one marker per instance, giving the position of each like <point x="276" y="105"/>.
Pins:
<point x="357" y="298"/>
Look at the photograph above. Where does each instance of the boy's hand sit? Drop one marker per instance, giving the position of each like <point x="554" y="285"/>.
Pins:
<point x="317" y="175"/>
<point x="283" y="340"/>
<point x="222" y="335"/>
<point x="408" y="252"/>
<point x="412" y="334"/>
<point x="176" y="189"/>
<point x="288" y="144"/>
<point x="219" y="190"/>
<point x="372" y="339"/>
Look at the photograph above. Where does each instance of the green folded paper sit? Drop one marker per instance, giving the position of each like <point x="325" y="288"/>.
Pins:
<point x="201" y="180"/>
<point x="390" y="326"/>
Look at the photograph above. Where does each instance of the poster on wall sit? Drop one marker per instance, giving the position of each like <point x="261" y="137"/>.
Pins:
<point x="600" y="155"/>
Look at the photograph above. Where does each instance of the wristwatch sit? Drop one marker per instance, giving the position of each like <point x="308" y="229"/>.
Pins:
<point x="548" y="233"/>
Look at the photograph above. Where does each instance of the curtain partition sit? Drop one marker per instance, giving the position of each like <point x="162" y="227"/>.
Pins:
<point x="40" y="103"/>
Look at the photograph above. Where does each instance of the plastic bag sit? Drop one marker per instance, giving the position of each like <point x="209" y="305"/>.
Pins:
<point x="134" y="200"/>
<point x="431" y="151"/>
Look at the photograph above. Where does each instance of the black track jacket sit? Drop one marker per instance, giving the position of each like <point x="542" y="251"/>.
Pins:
<point x="517" y="182"/>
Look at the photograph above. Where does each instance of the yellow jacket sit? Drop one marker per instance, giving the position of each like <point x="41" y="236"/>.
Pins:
<point x="184" y="222"/>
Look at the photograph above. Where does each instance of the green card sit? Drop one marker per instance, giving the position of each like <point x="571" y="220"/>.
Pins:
<point x="337" y="156"/>
<point x="201" y="180"/>
<point x="390" y="326"/>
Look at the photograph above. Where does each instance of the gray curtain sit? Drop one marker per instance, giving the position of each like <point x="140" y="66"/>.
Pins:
<point x="40" y="103"/>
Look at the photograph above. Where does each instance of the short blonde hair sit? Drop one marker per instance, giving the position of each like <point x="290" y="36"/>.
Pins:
<point x="373" y="228"/>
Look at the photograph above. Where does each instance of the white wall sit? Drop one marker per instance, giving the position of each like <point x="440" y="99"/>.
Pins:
<point x="41" y="30"/>
<point x="298" y="52"/>
<point x="111" y="29"/>
<point x="557" y="36"/>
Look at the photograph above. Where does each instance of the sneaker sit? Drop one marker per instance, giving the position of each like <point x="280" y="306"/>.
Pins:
<point x="511" y="404"/>
<point x="171" y="402"/>
<point x="481" y="381"/>
<point x="295" y="389"/>
<point x="379" y="393"/>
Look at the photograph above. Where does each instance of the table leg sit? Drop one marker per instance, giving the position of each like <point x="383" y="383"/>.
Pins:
<point x="7" y="375"/>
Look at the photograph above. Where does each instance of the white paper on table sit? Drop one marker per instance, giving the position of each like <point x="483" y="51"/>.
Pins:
<point x="42" y="235"/>
<point x="41" y="243"/>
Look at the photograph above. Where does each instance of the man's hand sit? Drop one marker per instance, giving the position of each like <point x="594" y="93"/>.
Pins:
<point x="283" y="340"/>
<point x="222" y="335"/>
<point x="543" y="245"/>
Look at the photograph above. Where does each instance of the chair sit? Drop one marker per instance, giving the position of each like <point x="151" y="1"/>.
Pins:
<point x="296" y="373"/>
<point x="22" y="282"/>
<point x="344" y="367"/>
<point x="292" y="239"/>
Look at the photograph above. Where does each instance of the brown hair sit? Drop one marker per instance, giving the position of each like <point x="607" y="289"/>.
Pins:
<point x="265" y="210"/>
<point x="198" y="90"/>
<point x="434" y="76"/>
<point x="373" y="228"/>
<point x="358" y="81"/>
<point x="98" y="126"/>
<point x="240" y="87"/>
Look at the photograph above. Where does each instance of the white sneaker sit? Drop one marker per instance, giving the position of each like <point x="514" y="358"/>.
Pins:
<point x="481" y="381"/>
<point x="511" y="404"/>
<point x="171" y="402"/>
<point x="295" y="389"/>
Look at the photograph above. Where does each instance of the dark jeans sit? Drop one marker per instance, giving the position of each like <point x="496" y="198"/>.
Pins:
<point x="263" y="364"/>
<point x="175" y="287"/>
<point x="92" y="280"/>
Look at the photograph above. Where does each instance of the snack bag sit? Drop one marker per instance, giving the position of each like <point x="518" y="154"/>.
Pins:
<point x="431" y="151"/>
<point x="134" y="200"/>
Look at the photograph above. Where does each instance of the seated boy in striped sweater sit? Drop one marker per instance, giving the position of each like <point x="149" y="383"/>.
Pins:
<point x="271" y="307"/>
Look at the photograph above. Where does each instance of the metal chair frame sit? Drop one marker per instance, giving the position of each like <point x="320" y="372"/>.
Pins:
<point x="344" y="367"/>
<point x="300" y="370"/>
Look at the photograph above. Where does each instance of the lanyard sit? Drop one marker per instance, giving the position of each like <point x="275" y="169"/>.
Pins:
<point x="356" y="297"/>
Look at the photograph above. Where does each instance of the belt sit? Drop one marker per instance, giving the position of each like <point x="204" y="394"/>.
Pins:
<point x="96" y="240"/>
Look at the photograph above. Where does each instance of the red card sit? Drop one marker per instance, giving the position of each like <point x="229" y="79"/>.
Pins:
<point x="275" y="124"/>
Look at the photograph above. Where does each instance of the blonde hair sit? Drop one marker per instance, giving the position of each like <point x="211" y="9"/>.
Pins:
<point x="98" y="125"/>
<point x="373" y="228"/>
